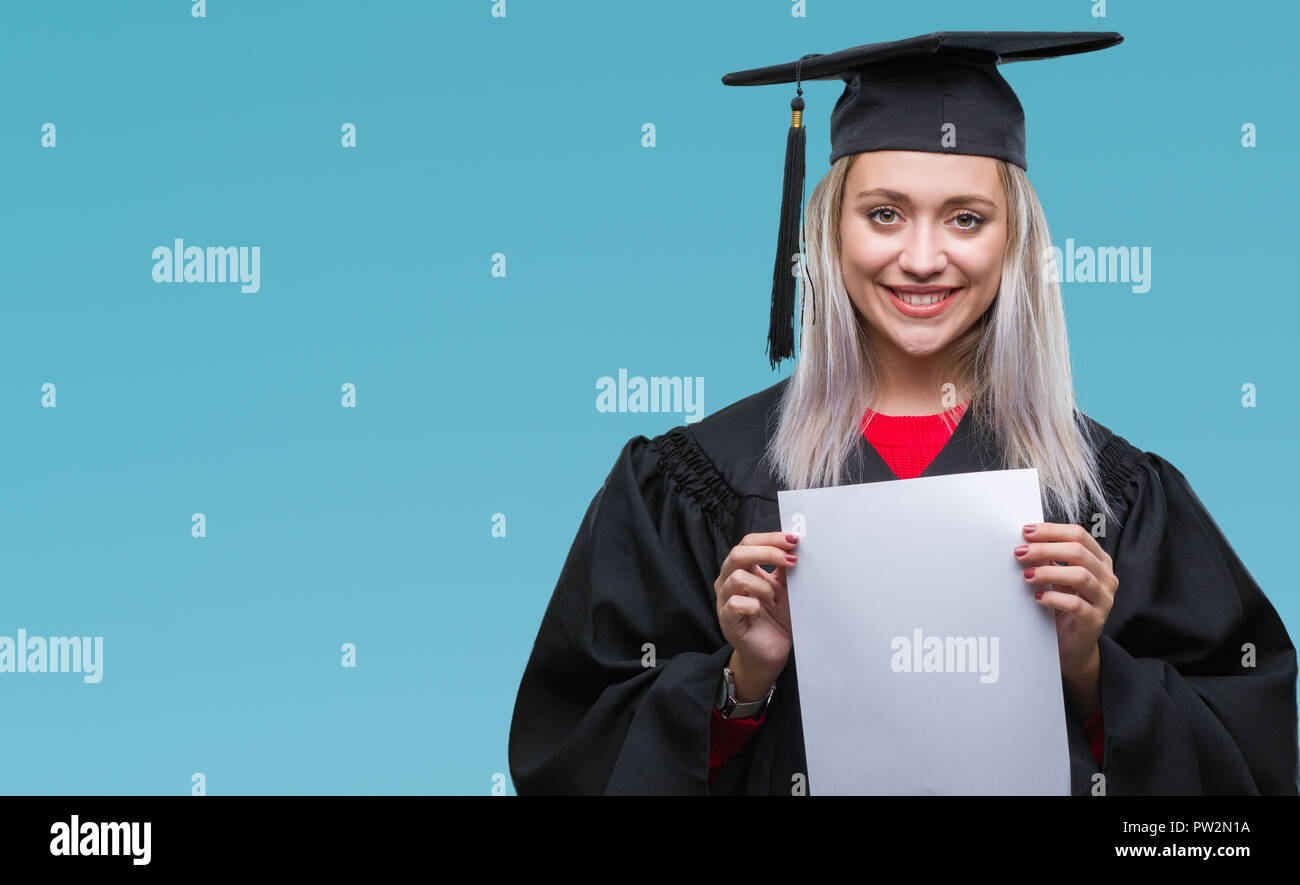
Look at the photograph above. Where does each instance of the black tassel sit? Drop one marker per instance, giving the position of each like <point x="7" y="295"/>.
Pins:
<point x="780" y="332"/>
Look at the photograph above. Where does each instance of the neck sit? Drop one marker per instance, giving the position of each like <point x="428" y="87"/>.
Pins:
<point x="910" y="385"/>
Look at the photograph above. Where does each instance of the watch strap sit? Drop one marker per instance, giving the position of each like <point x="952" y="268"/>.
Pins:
<point x="730" y="708"/>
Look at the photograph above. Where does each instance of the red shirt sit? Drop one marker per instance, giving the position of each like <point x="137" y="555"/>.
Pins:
<point x="907" y="443"/>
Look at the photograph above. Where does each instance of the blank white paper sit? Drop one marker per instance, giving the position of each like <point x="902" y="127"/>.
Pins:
<point x="925" y="665"/>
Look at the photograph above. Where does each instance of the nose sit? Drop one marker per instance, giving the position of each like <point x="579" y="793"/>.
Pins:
<point x="923" y="254"/>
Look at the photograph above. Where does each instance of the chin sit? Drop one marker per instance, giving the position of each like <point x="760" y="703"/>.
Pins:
<point x="922" y="352"/>
<point x="921" y="346"/>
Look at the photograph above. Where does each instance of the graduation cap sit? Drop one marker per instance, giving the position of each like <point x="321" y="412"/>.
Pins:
<point x="939" y="92"/>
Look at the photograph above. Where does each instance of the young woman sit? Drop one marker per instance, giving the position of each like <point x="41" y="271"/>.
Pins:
<point x="935" y="344"/>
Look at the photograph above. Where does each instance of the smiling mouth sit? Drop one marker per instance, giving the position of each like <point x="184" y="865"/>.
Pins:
<point x="925" y="299"/>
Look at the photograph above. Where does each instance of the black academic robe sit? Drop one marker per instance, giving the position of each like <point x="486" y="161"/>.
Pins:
<point x="1182" y="714"/>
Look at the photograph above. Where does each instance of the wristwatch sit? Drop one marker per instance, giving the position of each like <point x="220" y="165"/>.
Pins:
<point x="729" y="707"/>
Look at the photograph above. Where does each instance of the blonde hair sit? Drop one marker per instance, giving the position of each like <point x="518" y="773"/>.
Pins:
<point x="1014" y="360"/>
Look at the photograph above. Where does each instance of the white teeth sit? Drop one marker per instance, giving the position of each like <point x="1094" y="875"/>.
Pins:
<point x="922" y="300"/>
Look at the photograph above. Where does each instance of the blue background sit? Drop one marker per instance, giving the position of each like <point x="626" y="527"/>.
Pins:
<point x="476" y="394"/>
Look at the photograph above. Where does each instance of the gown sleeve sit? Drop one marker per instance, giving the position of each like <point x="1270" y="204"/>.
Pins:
<point x="617" y="694"/>
<point x="1187" y="710"/>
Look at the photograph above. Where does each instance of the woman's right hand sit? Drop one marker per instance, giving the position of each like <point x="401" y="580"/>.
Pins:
<point x="754" y="610"/>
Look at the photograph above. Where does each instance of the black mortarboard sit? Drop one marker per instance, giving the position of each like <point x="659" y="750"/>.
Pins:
<point x="939" y="92"/>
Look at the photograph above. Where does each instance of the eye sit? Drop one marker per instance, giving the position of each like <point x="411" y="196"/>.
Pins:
<point x="877" y="213"/>
<point x="973" y="221"/>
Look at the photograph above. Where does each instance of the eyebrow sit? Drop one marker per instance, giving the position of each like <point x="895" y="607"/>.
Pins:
<point x="902" y="198"/>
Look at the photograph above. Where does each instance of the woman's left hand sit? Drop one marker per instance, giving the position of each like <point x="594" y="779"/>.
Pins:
<point x="1082" y="592"/>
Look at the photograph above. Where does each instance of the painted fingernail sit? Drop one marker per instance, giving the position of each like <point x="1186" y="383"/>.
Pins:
<point x="792" y="539"/>
<point x="790" y="557"/>
<point x="1029" y="573"/>
<point x="1022" y="550"/>
<point x="1029" y="529"/>
<point x="1038" y="594"/>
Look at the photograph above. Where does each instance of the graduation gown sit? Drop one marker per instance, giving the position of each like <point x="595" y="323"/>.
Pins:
<point x="617" y="694"/>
